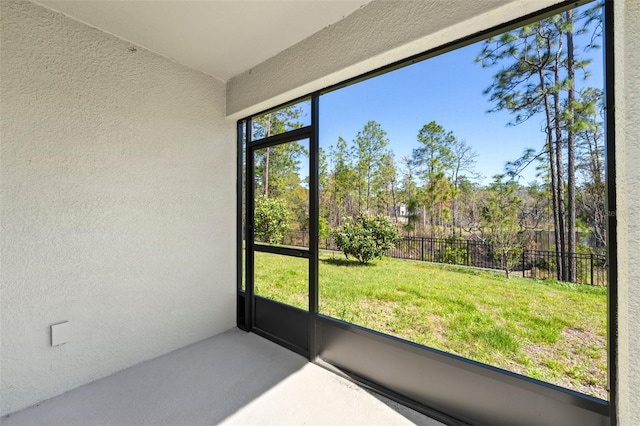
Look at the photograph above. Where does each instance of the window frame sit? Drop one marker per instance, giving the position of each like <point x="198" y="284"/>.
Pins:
<point x="573" y="398"/>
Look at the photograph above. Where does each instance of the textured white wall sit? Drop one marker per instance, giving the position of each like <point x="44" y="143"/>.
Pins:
<point x="117" y="204"/>
<point x="382" y="32"/>
<point x="627" y="94"/>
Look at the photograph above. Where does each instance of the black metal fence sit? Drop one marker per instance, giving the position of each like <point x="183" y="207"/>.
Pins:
<point x="541" y="264"/>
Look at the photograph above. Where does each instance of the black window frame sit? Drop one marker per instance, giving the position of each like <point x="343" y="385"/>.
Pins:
<point x="574" y="399"/>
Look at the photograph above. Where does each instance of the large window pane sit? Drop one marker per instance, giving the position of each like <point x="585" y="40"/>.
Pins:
<point x="488" y="161"/>
<point x="283" y="279"/>
<point x="281" y="187"/>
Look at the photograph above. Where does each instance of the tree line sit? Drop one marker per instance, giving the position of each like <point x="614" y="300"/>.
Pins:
<point x="436" y="191"/>
<point x="539" y="68"/>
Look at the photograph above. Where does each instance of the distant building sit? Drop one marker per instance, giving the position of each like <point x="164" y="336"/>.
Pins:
<point x="400" y="210"/>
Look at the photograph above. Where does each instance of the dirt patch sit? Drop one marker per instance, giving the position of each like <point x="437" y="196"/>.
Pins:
<point x="579" y="362"/>
<point x="379" y="315"/>
<point x="438" y="328"/>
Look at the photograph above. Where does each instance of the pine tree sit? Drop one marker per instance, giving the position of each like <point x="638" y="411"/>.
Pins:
<point x="539" y="67"/>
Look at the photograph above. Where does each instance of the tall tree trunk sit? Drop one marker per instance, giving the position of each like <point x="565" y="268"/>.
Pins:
<point x="554" y="203"/>
<point x="557" y="125"/>
<point x="552" y="168"/>
<point x="571" y="152"/>
<point x="395" y="200"/>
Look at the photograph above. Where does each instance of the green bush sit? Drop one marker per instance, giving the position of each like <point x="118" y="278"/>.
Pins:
<point x="270" y="220"/>
<point x="455" y="252"/>
<point x="547" y="263"/>
<point x="369" y="237"/>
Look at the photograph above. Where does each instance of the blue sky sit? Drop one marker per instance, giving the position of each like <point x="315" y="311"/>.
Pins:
<point x="448" y="89"/>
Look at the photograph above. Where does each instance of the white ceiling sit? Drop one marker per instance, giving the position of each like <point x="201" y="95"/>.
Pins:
<point x="219" y="37"/>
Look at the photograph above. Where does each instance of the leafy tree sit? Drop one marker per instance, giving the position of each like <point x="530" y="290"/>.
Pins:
<point x="535" y="209"/>
<point x="413" y="215"/>
<point x="590" y="162"/>
<point x="341" y="182"/>
<point x="464" y="161"/>
<point x="538" y="70"/>
<point x="369" y="237"/>
<point x="386" y="182"/>
<point x="435" y="158"/>
<point x="271" y="219"/>
<point x="468" y="204"/>
<point x="500" y="222"/>
<point x="297" y="201"/>
<point x="435" y="153"/>
<point x="323" y="229"/>
<point x="368" y="151"/>
<point x="277" y="169"/>
<point x="409" y="195"/>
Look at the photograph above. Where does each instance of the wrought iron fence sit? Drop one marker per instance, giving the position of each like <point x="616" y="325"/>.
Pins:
<point x="591" y="268"/>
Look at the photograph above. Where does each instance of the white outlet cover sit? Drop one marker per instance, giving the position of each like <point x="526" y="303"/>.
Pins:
<point x="60" y="333"/>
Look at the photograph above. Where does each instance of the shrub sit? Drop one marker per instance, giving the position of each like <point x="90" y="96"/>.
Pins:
<point x="270" y="220"/>
<point x="455" y="252"/>
<point x="369" y="237"/>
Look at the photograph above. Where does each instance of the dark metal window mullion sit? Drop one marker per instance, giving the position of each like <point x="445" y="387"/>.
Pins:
<point x="249" y="232"/>
<point x="292" y="136"/>
<point x="612" y="241"/>
<point x="314" y="158"/>
<point x="284" y="251"/>
<point x="240" y="176"/>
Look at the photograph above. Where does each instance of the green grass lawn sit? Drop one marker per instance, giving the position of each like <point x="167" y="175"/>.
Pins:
<point x="552" y="331"/>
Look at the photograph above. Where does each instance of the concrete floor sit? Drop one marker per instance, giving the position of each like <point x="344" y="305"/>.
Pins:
<point x="235" y="378"/>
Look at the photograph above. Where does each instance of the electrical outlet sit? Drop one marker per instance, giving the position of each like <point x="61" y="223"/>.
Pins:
<point x="60" y="333"/>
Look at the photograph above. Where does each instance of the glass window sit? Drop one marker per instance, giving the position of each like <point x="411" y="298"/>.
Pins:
<point x="462" y="203"/>
<point x="281" y="187"/>
<point x="284" y="279"/>
<point x="282" y="120"/>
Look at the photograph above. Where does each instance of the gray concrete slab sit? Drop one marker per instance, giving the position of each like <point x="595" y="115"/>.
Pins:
<point x="235" y="378"/>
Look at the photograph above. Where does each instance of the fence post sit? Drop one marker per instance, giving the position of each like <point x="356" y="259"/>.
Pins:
<point x="591" y="269"/>
<point x="523" y="274"/>
<point x="422" y="248"/>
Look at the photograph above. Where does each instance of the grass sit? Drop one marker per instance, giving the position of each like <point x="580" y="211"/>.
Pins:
<point x="551" y="331"/>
